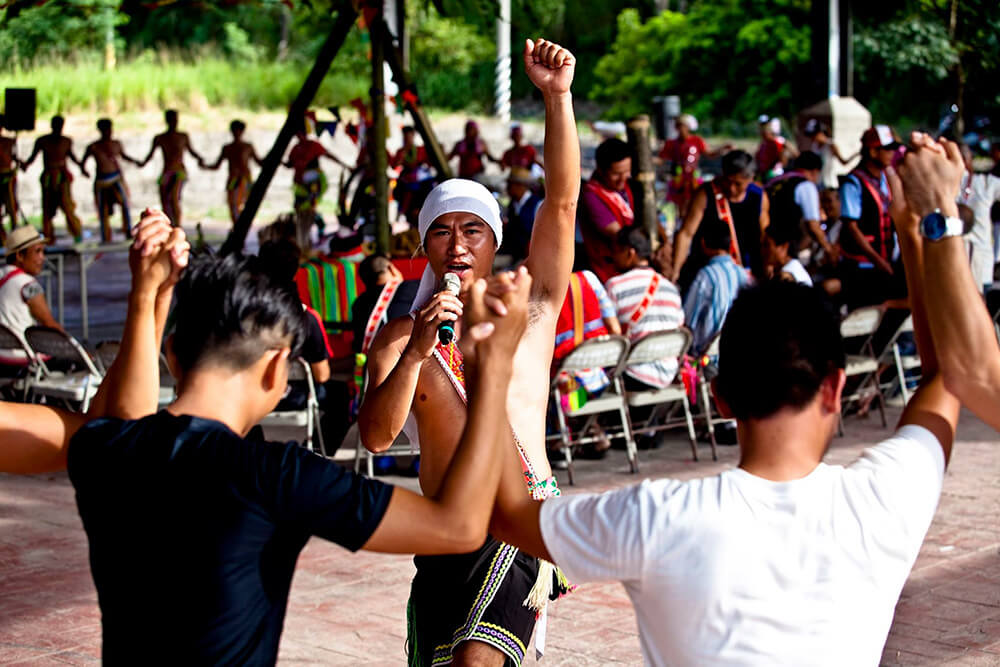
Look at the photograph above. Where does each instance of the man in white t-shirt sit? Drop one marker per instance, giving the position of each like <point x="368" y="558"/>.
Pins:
<point x="979" y="191"/>
<point x="784" y="560"/>
<point x="22" y="301"/>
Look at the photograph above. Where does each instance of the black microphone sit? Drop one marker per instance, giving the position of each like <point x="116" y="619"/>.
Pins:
<point x="453" y="284"/>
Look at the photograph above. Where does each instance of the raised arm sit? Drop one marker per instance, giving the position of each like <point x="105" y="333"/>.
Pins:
<point x="455" y="519"/>
<point x="684" y="236"/>
<point x="550" y="67"/>
<point x="932" y="406"/>
<point x="158" y="255"/>
<point x="964" y="336"/>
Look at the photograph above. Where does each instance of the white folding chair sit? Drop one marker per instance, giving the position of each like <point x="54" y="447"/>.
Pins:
<point x="168" y="385"/>
<point x="902" y="362"/>
<point x="105" y="353"/>
<point x="708" y="400"/>
<point x="661" y="346"/>
<point x="53" y="347"/>
<point x="308" y="416"/>
<point x="21" y="364"/>
<point x="609" y="353"/>
<point x="859" y="326"/>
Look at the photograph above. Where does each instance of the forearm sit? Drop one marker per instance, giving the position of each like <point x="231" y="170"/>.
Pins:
<point x="469" y="487"/>
<point x="682" y="244"/>
<point x="910" y="246"/>
<point x="816" y="230"/>
<point x="386" y="406"/>
<point x="561" y="151"/>
<point x="131" y="387"/>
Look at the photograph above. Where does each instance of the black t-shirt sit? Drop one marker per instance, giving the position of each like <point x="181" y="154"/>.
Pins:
<point x="194" y="533"/>
<point x="314" y="348"/>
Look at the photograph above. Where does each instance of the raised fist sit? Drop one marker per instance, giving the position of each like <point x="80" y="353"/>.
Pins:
<point x="549" y="66"/>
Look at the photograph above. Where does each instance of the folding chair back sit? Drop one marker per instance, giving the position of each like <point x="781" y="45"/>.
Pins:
<point x="79" y="384"/>
<point x="861" y="322"/>
<point x="606" y="352"/>
<point x="19" y="361"/>
<point x="60" y="346"/>
<point x="659" y="346"/>
<point x="902" y="362"/>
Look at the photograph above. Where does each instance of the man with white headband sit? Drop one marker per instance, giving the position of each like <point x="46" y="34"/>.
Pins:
<point x="480" y="608"/>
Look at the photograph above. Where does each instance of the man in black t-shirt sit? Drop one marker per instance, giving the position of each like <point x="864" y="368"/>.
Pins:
<point x="194" y="531"/>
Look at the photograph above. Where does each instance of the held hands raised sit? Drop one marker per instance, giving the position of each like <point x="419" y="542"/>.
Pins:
<point x="496" y="315"/>
<point x="158" y="255"/>
<point x="929" y="178"/>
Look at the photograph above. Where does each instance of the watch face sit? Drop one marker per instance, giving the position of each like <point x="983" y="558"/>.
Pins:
<point x="933" y="226"/>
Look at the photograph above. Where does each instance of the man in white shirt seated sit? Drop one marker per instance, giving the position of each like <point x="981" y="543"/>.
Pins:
<point x="784" y="560"/>
<point x="777" y="246"/>
<point x="22" y="300"/>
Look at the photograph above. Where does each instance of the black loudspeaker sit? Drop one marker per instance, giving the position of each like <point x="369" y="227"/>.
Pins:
<point x="19" y="109"/>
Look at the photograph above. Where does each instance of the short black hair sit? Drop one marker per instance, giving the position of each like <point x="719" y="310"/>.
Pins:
<point x="737" y="162"/>
<point x="371" y="267"/>
<point x="408" y="128"/>
<point x="784" y="231"/>
<point x="635" y="237"/>
<point x="237" y="126"/>
<point x="58" y="121"/>
<point x="717" y="236"/>
<point x="229" y="312"/>
<point x="104" y="125"/>
<point x="809" y="161"/>
<point x="779" y="342"/>
<point x="611" y="151"/>
<point x="280" y="258"/>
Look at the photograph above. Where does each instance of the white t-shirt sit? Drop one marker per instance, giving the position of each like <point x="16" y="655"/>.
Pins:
<point x="979" y="192"/>
<point x="795" y="269"/>
<point x="738" y="570"/>
<point x="807" y="197"/>
<point x="15" y="293"/>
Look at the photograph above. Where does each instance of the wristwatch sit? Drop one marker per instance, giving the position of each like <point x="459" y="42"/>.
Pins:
<point x="935" y="226"/>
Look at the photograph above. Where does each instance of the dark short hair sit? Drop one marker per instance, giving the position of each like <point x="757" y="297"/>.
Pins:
<point x="809" y="161"/>
<point x="611" y="151"/>
<point x="737" y="162"/>
<point x="229" y="312"/>
<point x="58" y="121"/>
<point x="635" y="237"/>
<point x="408" y="129"/>
<point x="372" y="267"/>
<point x="717" y="236"/>
<point x="170" y="115"/>
<point x="785" y="231"/>
<point x="779" y="342"/>
<point x="280" y="258"/>
<point x="104" y="125"/>
<point x="237" y="126"/>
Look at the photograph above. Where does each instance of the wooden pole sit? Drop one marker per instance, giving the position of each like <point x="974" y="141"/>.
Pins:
<point x="643" y="176"/>
<point x="376" y="144"/>
<point x="421" y="124"/>
<point x="345" y="20"/>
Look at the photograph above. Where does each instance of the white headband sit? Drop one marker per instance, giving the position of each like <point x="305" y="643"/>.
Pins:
<point x="456" y="195"/>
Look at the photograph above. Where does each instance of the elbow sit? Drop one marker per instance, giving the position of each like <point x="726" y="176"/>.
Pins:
<point x="466" y="535"/>
<point x="372" y="437"/>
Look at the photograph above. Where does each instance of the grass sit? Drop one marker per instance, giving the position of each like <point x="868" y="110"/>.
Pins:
<point x="157" y="82"/>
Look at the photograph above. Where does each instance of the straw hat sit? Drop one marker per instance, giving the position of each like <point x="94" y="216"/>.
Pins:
<point x="23" y="237"/>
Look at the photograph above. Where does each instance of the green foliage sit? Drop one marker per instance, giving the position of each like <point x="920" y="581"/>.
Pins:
<point x="451" y="61"/>
<point x="727" y="58"/>
<point x="56" y="29"/>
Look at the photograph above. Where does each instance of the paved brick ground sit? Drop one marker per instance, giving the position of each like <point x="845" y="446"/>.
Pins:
<point x="349" y="609"/>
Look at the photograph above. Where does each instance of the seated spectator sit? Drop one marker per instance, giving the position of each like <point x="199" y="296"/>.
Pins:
<point x="779" y="242"/>
<point x="713" y="289"/>
<point x="22" y="301"/>
<point x="524" y="203"/>
<point x="379" y="274"/>
<point x="795" y="201"/>
<point x="606" y="206"/>
<point x="646" y="302"/>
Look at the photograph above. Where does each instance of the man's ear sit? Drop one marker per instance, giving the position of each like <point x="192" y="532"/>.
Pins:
<point x="719" y="401"/>
<point x="275" y="369"/>
<point x="831" y="390"/>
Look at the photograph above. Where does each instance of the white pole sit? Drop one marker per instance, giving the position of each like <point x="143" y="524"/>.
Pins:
<point x="833" y="54"/>
<point x="502" y="81"/>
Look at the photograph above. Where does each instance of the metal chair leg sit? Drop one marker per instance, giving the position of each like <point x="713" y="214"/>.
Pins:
<point x="690" y="426"/>
<point x="630" y="449"/>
